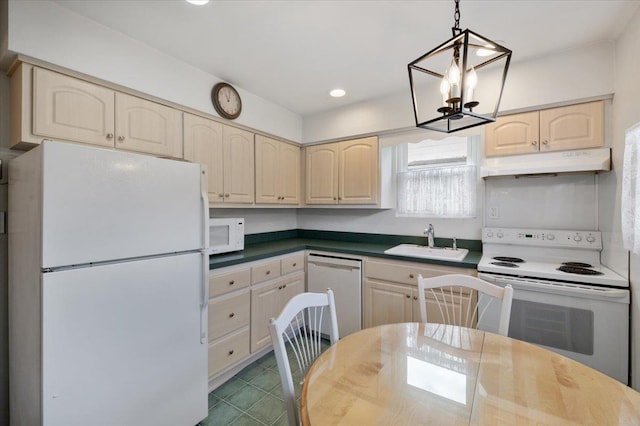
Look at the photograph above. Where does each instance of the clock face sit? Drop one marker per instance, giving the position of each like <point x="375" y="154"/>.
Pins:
<point x="226" y="100"/>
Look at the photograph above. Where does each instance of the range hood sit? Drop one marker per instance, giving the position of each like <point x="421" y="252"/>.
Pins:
<point x="545" y="163"/>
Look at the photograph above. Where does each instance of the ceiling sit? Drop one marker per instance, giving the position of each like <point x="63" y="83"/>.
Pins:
<point x="293" y="52"/>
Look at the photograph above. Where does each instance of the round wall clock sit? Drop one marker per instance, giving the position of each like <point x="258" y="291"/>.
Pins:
<point x="226" y="101"/>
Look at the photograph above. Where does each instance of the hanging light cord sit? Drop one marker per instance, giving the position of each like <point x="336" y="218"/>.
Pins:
<point x="456" y="16"/>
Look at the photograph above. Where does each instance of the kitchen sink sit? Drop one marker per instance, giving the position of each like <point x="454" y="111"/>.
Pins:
<point x="438" y="253"/>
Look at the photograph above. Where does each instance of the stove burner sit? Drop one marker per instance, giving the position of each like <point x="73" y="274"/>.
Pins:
<point x="505" y="264"/>
<point x="578" y="270"/>
<point x="577" y="264"/>
<point x="508" y="259"/>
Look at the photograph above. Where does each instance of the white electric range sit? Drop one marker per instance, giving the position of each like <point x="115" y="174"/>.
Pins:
<point x="564" y="299"/>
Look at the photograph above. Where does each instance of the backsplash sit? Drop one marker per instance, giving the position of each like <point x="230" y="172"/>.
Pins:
<point x="550" y="202"/>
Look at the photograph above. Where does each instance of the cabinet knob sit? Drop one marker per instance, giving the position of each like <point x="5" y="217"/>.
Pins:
<point x="415" y="297"/>
<point x="109" y="135"/>
<point x="408" y="296"/>
<point x="232" y="282"/>
<point x="120" y="138"/>
<point x="231" y="352"/>
<point x="284" y="286"/>
<point x="220" y="195"/>
<point x="334" y="198"/>
<point x="545" y="143"/>
<point x="339" y="198"/>
<point x="231" y="315"/>
<point x="534" y="143"/>
<point x="280" y="288"/>
<point x="294" y="264"/>
<point x="411" y="276"/>
<point x="268" y="272"/>
<point x="226" y="195"/>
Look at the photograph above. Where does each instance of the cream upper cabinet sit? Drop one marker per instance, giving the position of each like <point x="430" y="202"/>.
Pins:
<point x="148" y="127"/>
<point x="203" y="144"/>
<point x="46" y="104"/>
<point x="239" y="185"/>
<point x="277" y="172"/>
<point x="228" y="154"/>
<point x="512" y="134"/>
<point x="343" y="172"/>
<point x="556" y="129"/>
<point x="66" y="108"/>
<point x="572" y="127"/>
<point x="321" y="174"/>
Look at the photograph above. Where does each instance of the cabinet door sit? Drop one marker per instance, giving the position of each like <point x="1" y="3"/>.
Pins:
<point x="203" y="144"/>
<point x="358" y="171"/>
<point x="289" y="174"/>
<point x="69" y="109"/>
<point x="512" y="134"/>
<point x="386" y="303"/>
<point x="266" y="303"/>
<point x="148" y="127"/>
<point x="238" y="166"/>
<point x="267" y="170"/>
<point x="292" y="286"/>
<point x="572" y="127"/>
<point x="321" y="183"/>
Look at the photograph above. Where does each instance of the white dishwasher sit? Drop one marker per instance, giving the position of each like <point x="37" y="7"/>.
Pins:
<point x="343" y="276"/>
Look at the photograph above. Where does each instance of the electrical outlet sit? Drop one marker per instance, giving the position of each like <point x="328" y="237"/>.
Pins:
<point x="494" y="212"/>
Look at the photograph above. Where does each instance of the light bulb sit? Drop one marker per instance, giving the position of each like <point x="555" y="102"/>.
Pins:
<point x="444" y="90"/>
<point x="454" y="74"/>
<point x="471" y="82"/>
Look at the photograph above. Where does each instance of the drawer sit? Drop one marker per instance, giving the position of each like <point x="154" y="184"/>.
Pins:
<point x="227" y="314"/>
<point x="228" y="351"/>
<point x="292" y="263"/>
<point x="220" y="283"/>
<point x="265" y="271"/>
<point x="407" y="272"/>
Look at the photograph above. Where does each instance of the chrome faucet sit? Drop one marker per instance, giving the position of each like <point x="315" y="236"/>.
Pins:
<point x="430" y="233"/>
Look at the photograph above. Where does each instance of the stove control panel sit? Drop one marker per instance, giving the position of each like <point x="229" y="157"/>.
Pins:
<point x="590" y="240"/>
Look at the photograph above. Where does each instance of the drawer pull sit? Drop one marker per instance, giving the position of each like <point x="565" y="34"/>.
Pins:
<point x="295" y="264"/>
<point x="415" y="297"/>
<point x="280" y="288"/>
<point x="268" y="272"/>
<point x="284" y="286"/>
<point x="231" y="315"/>
<point x="232" y="282"/>
<point x="411" y="276"/>
<point x="408" y="296"/>
<point x="231" y="352"/>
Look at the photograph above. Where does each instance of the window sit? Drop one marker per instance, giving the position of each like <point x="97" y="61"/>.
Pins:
<point x="437" y="178"/>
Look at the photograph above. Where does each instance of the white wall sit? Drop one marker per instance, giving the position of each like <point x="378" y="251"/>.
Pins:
<point x="625" y="114"/>
<point x="565" y="76"/>
<point x="46" y="31"/>
<point x="257" y="221"/>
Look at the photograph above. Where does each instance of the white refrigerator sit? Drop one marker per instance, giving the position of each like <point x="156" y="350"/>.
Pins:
<point x="107" y="288"/>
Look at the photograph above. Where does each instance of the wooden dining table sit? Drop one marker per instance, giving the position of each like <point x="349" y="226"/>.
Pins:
<point x="414" y="374"/>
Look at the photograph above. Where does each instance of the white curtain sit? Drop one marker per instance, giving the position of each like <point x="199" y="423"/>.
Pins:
<point x="438" y="192"/>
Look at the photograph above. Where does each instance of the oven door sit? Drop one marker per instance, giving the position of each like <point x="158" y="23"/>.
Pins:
<point x="585" y="323"/>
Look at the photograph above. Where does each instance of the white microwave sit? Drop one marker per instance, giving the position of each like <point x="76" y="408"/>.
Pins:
<point x="226" y="234"/>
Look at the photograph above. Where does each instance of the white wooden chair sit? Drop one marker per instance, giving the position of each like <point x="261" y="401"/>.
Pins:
<point x="450" y="301"/>
<point x="300" y="324"/>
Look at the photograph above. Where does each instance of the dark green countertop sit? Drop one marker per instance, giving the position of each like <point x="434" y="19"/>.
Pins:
<point x="263" y="246"/>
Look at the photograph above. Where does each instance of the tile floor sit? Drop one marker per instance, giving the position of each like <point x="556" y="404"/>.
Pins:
<point x="253" y="396"/>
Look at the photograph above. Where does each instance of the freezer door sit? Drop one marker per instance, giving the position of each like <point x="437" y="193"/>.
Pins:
<point x="121" y="344"/>
<point x="101" y="205"/>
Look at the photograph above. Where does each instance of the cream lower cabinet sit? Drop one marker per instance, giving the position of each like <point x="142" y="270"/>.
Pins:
<point x="346" y="172"/>
<point x="277" y="172"/>
<point x="390" y="292"/>
<point x="49" y="105"/>
<point x="242" y="300"/>
<point x="228" y="154"/>
<point x="555" y="129"/>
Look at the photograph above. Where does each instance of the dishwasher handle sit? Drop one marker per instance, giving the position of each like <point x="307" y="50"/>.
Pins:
<point x="334" y="265"/>
<point x="334" y="262"/>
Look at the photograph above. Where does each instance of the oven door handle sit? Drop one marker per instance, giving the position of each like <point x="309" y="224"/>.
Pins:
<point x="609" y="293"/>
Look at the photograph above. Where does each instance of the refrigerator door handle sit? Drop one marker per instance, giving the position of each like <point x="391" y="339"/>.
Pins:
<point x="204" y="311"/>
<point x="205" y="208"/>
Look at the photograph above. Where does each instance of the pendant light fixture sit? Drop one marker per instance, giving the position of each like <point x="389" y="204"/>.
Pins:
<point x="469" y="72"/>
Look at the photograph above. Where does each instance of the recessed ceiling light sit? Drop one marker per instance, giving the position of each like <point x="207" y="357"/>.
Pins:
<point x="337" y="93"/>
<point x="198" y="2"/>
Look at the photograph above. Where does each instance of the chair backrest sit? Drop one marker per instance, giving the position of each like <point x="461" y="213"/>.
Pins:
<point x="300" y="324"/>
<point x="457" y="306"/>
